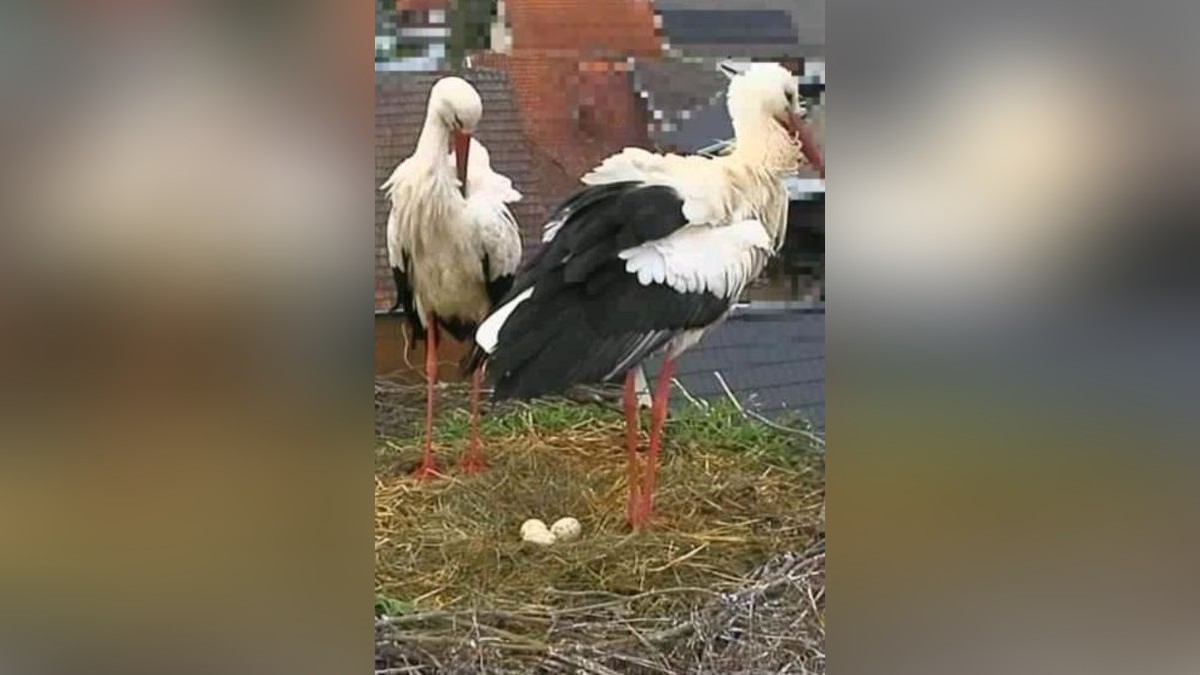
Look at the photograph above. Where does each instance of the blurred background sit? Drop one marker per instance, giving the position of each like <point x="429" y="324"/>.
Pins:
<point x="184" y="383"/>
<point x="1013" y="237"/>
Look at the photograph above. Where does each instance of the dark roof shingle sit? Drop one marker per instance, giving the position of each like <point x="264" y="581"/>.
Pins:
<point x="772" y="360"/>
<point x="728" y="26"/>
<point x="758" y="30"/>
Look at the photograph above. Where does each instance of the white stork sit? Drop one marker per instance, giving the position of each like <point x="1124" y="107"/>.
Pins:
<point x="453" y="245"/>
<point x="654" y="253"/>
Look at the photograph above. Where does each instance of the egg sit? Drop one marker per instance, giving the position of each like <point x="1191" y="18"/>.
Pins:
<point x="540" y="537"/>
<point x="534" y="531"/>
<point x="566" y="529"/>
<point x="531" y="525"/>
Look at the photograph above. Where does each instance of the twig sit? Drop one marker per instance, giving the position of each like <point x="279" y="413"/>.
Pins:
<point x="791" y="430"/>
<point x="634" y="598"/>
<point x="682" y="558"/>
<point x="426" y="617"/>
<point x="688" y="395"/>
<point x="662" y="636"/>
<point x="585" y="665"/>
<point x="404" y="330"/>
<point x="756" y="416"/>
<point x="557" y="591"/>
<point x="729" y="392"/>
<point x="649" y="665"/>
<point x="425" y="596"/>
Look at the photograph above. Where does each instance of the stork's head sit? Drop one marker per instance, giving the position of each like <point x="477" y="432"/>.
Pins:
<point x="768" y="93"/>
<point x="458" y="106"/>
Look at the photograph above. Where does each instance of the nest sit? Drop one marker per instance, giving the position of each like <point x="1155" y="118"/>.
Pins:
<point x="729" y="578"/>
<point x="772" y="623"/>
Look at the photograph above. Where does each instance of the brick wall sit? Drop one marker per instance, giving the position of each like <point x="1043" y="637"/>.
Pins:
<point x="584" y="28"/>
<point x="568" y="68"/>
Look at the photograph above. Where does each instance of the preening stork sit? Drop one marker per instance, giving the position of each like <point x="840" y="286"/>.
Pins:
<point x="453" y="245"/>
<point x="652" y="254"/>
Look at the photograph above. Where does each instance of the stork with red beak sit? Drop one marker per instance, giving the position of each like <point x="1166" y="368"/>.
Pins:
<point x="655" y="252"/>
<point x="453" y="244"/>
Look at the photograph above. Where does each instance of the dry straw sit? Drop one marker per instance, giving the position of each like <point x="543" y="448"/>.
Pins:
<point x="730" y="577"/>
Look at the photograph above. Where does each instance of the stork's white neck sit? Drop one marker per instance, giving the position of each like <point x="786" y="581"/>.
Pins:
<point x="763" y="154"/>
<point x="760" y="141"/>
<point x="434" y="141"/>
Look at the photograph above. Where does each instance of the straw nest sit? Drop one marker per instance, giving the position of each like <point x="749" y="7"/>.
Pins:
<point x="730" y="577"/>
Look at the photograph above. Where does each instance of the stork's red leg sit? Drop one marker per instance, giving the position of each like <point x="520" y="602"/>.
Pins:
<point x="658" y="416"/>
<point x="473" y="461"/>
<point x="631" y="444"/>
<point x="427" y="470"/>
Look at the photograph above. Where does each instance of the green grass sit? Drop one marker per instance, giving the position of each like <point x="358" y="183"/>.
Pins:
<point x="720" y="426"/>
<point x="547" y="416"/>
<point x="389" y="606"/>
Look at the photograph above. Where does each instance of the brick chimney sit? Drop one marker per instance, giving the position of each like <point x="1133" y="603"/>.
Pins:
<point x="567" y="61"/>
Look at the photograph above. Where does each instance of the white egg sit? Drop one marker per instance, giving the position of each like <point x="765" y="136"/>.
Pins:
<point x="566" y="529"/>
<point x="540" y="537"/>
<point x="532" y="525"/>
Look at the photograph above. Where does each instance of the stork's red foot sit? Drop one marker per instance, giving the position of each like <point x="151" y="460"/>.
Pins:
<point x="632" y="507"/>
<point x="472" y="463"/>
<point x="640" y="515"/>
<point x="426" y="471"/>
<point x="640" y="509"/>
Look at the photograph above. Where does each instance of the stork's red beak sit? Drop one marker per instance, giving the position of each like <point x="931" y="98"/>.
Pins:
<point x="462" y="149"/>
<point x="801" y="131"/>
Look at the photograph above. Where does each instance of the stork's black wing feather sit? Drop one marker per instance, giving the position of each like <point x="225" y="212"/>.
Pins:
<point x="496" y="288"/>
<point x="587" y="318"/>
<point x="573" y="337"/>
<point x="587" y="217"/>
<point x="405" y="299"/>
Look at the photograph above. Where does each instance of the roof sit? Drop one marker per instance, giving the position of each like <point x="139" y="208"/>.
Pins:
<point x="759" y="29"/>
<point x="686" y="99"/>
<point x="400" y="101"/>
<point x="686" y="94"/>
<point x="773" y="360"/>
<point x="729" y="26"/>
<point x="803" y="188"/>
<point x="671" y="85"/>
